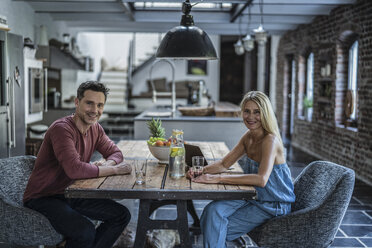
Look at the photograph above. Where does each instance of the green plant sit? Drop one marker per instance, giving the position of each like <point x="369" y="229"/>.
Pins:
<point x="308" y="103"/>
<point x="156" y="130"/>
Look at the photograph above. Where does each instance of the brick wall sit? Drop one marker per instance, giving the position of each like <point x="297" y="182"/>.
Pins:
<point x="328" y="135"/>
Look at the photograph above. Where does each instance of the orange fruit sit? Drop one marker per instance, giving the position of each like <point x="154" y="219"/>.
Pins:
<point x="159" y="143"/>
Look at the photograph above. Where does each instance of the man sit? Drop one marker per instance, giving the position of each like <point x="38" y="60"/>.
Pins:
<point x="64" y="157"/>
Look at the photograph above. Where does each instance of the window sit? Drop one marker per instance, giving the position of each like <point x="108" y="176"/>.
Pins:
<point x="353" y="76"/>
<point x="308" y="100"/>
<point x="293" y="96"/>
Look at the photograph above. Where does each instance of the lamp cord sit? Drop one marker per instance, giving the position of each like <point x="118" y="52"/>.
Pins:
<point x="239" y="25"/>
<point x="249" y="18"/>
<point x="261" y="11"/>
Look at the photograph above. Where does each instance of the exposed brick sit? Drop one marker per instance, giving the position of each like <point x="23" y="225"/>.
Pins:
<point x="330" y="37"/>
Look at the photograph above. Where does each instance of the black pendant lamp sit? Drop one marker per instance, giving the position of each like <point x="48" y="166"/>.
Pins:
<point x="186" y="41"/>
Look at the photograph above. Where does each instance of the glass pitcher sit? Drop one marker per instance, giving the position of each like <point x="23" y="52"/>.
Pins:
<point x="177" y="155"/>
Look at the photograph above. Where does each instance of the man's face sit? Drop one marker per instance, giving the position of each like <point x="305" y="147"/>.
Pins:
<point x="89" y="109"/>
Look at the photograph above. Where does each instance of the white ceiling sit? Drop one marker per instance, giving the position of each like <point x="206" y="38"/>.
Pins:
<point x="122" y="15"/>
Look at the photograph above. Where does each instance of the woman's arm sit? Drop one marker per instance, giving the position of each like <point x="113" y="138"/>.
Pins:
<point x="269" y="151"/>
<point x="228" y="160"/>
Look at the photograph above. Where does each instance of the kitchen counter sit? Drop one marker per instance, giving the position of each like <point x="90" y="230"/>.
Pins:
<point x="196" y="128"/>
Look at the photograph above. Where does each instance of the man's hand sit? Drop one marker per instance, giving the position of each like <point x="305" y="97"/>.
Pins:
<point x="119" y="169"/>
<point x="104" y="163"/>
<point x="123" y="168"/>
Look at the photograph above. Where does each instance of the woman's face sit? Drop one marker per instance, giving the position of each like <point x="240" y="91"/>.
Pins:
<point x="252" y="115"/>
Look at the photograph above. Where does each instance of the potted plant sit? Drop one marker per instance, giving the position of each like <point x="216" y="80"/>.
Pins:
<point x="308" y="106"/>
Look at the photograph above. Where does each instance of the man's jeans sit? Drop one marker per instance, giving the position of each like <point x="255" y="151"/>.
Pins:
<point x="69" y="217"/>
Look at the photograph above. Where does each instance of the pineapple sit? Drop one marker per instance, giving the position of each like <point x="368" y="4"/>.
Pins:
<point x="156" y="130"/>
<point x="157" y="133"/>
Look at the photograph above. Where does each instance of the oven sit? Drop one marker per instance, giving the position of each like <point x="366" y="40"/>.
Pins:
<point x="35" y="90"/>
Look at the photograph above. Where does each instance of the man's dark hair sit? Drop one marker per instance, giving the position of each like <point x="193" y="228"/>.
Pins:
<point x="91" y="85"/>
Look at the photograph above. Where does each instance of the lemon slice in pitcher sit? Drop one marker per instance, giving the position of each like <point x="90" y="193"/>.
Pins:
<point x="177" y="151"/>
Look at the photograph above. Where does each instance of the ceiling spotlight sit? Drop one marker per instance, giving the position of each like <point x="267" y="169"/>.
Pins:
<point x="248" y="43"/>
<point x="239" y="49"/>
<point x="260" y="35"/>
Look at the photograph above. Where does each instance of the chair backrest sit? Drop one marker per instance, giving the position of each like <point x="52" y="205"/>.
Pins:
<point x="14" y="175"/>
<point x="319" y="180"/>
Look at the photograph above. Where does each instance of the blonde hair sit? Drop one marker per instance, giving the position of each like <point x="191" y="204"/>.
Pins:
<point x="268" y="119"/>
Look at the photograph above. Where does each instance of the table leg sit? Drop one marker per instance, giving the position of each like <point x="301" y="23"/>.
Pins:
<point x="192" y="211"/>
<point x="145" y="223"/>
<point x="183" y="227"/>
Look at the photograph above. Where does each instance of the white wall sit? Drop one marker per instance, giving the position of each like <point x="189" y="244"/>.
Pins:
<point x="146" y="44"/>
<point x="23" y="21"/>
<point x="161" y="70"/>
<point x="93" y="45"/>
<point x="117" y="49"/>
<point x="113" y="47"/>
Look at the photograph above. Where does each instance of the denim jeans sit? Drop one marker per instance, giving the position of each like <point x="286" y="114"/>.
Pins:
<point x="226" y="220"/>
<point x="69" y="217"/>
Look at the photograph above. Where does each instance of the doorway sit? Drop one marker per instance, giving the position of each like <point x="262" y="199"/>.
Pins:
<point x="231" y="71"/>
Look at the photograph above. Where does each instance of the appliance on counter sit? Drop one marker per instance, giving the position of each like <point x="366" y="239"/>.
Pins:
<point x="54" y="98"/>
<point x="12" y="95"/>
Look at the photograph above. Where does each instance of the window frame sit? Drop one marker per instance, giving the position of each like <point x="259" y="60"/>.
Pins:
<point x="309" y="84"/>
<point x="352" y="80"/>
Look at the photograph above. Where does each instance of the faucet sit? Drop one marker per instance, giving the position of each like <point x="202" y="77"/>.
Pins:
<point x="172" y="93"/>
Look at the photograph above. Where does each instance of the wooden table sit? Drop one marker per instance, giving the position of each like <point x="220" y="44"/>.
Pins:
<point x="160" y="189"/>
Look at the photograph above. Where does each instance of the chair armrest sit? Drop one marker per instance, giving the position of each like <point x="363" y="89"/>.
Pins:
<point x="23" y="226"/>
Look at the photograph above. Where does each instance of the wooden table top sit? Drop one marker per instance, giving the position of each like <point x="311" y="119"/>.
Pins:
<point x="158" y="185"/>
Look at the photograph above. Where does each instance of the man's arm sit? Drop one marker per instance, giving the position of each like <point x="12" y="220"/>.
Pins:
<point x="108" y="170"/>
<point x="107" y="147"/>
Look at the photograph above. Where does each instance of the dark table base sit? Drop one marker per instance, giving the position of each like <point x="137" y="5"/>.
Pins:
<point x="147" y="207"/>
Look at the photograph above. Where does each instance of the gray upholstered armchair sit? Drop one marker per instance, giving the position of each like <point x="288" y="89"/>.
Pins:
<point x="323" y="191"/>
<point x="20" y="225"/>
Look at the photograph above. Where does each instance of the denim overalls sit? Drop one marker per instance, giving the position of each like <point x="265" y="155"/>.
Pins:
<point x="229" y="219"/>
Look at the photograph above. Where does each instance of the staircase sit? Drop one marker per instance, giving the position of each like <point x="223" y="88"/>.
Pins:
<point x="116" y="81"/>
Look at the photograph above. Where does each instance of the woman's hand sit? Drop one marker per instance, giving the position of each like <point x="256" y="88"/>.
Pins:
<point x="189" y="173"/>
<point x="207" y="178"/>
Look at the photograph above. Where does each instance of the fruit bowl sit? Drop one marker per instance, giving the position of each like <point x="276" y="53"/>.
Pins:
<point x="160" y="152"/>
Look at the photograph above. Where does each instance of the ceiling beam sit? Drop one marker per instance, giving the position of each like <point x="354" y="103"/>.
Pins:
<point x="227" y="28"/>
<point x="127" y="10"/>
<point x="239" y="10"/>
<point x="42" y="7"/>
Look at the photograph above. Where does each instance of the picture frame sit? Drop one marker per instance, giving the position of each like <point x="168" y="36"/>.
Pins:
<point x="197" y="67"/>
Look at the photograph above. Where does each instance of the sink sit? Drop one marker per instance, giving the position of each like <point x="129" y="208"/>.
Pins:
<point x="196" y="111"/>
<point x="163" y="107"/>
<point x="158" y="113"/>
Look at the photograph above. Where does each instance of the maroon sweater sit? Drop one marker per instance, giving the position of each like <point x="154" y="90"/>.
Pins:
<point x="64" y="156"/>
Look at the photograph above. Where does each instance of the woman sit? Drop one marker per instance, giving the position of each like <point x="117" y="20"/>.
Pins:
<point x="265" y="169"/>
